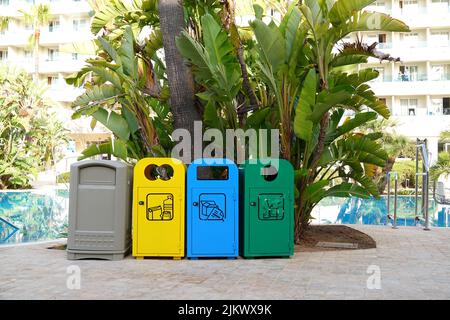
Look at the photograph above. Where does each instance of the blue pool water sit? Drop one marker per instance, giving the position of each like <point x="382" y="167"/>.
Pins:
<point x="373" y="211"/>
<point x="27" y="216"/>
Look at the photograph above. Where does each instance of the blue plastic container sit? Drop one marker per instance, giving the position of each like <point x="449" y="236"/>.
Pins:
<point x="212" y="209"/>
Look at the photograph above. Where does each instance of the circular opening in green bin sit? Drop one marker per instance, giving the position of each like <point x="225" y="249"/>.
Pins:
<point x="269" y="173"/>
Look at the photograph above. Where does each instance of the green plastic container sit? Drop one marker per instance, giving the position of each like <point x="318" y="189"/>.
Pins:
<point x="267" y="209"/>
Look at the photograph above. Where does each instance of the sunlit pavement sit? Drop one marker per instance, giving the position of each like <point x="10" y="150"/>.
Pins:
<point x="409" y="263"/>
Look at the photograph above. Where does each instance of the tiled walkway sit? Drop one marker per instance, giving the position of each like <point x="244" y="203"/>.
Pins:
<point x="413" y="264"/>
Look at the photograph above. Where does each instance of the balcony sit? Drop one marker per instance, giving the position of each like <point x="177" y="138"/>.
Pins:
<point x="65" y="35"/>
<point x="62" y="92"/>
<point x="420" y="85"/>
<point x="56" y="7"/>
<point x="422" y="125"/>
<point x="14" y="39"/>
<point x="60" y="36"/>
<point x="418" y="51"/>
<point x="60" y="64"/>
<point x="418" y="17"/>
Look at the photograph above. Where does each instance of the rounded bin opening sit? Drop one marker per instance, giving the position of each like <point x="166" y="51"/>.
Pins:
<point x="153" y="172"/>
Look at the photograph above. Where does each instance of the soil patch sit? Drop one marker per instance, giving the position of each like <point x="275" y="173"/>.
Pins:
<point x="334" y="234"/>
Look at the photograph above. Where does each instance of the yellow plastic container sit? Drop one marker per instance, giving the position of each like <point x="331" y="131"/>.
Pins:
<point x="159" y="208"/>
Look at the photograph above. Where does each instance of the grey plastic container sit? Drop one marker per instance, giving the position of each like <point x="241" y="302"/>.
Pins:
<point x="99" y="210"/>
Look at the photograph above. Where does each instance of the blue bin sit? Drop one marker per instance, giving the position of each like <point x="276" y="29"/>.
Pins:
<point x="212" y="209"/>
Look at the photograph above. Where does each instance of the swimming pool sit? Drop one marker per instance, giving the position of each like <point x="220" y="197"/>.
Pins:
<point x="28" y="216"/>
<point x="373" y="211"/>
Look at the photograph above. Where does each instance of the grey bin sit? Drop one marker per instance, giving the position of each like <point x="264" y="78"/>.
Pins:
<point x="99" y="210"/>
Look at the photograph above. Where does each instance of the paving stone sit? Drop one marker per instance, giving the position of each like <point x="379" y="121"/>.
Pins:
<point x="414" y="264"/>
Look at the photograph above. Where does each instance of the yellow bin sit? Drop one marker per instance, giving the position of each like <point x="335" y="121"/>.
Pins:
<point x="158" y="208"/>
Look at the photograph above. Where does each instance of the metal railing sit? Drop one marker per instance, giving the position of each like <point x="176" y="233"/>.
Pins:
<point x="422" y="150"/>
<point x="388" y="177"/>
<point x="9" y="224"/>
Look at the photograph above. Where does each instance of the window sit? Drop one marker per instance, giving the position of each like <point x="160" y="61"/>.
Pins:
<point x="4" y="2"/>
<point x="28" y="27"/>
<point x="79" y="24"/>
<point x="53" y="26"/>
<point x="440" y="72"/>
<point x="440" y="5"/>
<point x="74" y="56"/>
<point x="52" y="80"/>
<point x="440" y="39"/>
<point x="381" y="76"/>
<point x="382" y="38"/>
<point x="410" y="40"/>
<point x="52" y="54"/>
<point x="408" y="73"/>
<point x="408" y="106"/>
<point x="3" y="55"/>
<point x="27" y="54"/>
<point x="446" y="106"/>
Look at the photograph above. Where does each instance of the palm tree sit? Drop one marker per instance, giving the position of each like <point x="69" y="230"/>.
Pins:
<point x="38" y="16"/>
<point x="181" y="81"/>
<point x="441" y="167"/>
<point x="445" y="136"/>
<point x="4" y="22"/>
<point x="393" y="143"/>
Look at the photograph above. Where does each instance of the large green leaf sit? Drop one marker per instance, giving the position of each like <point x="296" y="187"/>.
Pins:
<point x="315" y="190"/>
<point x="114" y="122"/>
<point x="345" y="190"/>
<point x="365" y="149"/>
<point x="366" y="182"/>
<point x="114" y="9"/>
<point x="216" y="41"/>
<point x="347" y="59"/>
<point x="257" y="118"/>
<point x="291" y="28"/>
<point x="271" y="44"/>
<point x="326" y="101"/>
<point x="96" y="95"/>
<point x="109" y="49"/>
<point x="126" y="50"/>
<point x="116" y="148"/>
<point x="193" y="51"/>
<point x="211" y="117"/>
<point x="303" y="126"/>
<point x="358" y="120"/>
<point x="343" y="10"/>
<point x="374" y="21"/>
<point x="107" y="75"/>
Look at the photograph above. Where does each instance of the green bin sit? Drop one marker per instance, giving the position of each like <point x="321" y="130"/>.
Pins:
<point x="267" y="208"/>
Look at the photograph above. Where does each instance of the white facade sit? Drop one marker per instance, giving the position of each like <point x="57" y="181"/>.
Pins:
<point x="417" y="89"/>
<point x="69" y="23"/>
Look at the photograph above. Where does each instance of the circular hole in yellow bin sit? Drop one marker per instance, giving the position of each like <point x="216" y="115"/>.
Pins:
<point x="165" y="172"/>
<point x="153" y="172"/>
<point x="150" y="172"/>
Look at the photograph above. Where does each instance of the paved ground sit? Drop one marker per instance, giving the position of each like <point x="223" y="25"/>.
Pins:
<point x="414" y="264"/>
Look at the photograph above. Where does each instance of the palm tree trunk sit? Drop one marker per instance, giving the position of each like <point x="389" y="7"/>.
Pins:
<point x="387" y="168"/>
<point x="37" y="35"/>
<point x="181" y="81"/>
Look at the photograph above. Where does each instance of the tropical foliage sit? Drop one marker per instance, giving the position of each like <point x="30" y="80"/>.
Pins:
<point x="396" y="146"/>
<point x="29" y="134"/>
<point x="297" y="76"/>
<point x="441" y="167"/>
